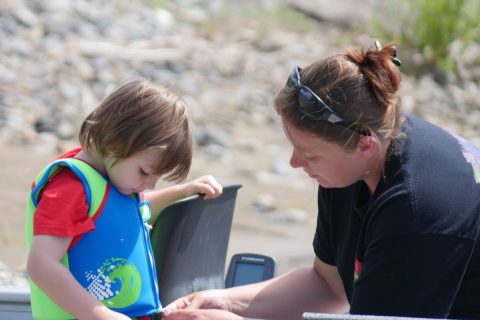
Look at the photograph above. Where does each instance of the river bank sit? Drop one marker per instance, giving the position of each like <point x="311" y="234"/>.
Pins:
<point x="227" y="59"/>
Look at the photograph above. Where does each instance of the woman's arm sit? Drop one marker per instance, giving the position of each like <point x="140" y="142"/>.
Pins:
<point x="207" y="186"/>
<point x="317" y="289"/>
<point x="45" y="269"/>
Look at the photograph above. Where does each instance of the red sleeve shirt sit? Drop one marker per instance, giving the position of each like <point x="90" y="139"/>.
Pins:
<point x="62" y="209"/>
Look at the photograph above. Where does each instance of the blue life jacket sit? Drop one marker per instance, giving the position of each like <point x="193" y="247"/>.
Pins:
<point x="114" y="262"/>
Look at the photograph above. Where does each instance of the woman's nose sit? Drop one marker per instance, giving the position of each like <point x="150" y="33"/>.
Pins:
<point x="295" y="161"/>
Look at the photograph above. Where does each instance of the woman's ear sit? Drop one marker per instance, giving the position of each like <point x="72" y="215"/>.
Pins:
<point x="367" y="146"/>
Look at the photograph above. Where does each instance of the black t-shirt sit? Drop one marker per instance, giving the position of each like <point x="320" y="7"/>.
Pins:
<point x="412" y="248"/>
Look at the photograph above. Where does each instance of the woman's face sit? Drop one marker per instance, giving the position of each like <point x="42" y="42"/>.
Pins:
<point x="328" y="163"/>
<point x="135" y="173"/>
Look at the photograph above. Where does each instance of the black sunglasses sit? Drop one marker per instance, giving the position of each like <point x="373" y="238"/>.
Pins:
<point x="313" y="107"/>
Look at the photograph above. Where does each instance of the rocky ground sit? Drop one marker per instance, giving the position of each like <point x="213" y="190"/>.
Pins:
<point x="58" y="58"/>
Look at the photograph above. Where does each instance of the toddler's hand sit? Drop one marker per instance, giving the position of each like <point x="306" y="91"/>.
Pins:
<point x="206" y="185"/>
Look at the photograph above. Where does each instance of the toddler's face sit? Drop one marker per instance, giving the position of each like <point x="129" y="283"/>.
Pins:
<point x="135" y="173"/>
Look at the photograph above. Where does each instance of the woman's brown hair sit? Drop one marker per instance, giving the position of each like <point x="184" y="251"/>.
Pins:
<point x="137" y="116"/>
<point x="360" y="86"/>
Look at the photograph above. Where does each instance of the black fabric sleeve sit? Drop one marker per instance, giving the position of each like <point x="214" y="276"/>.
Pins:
<point x="322" y="242"/>
<point x="322" y="252"/>
<point x="418" y="275"/>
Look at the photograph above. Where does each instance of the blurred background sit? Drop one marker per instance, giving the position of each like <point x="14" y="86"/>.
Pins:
<point x="59" y="58"/>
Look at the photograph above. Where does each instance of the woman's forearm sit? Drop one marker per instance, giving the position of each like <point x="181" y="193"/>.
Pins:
<point x="286" y="297"/>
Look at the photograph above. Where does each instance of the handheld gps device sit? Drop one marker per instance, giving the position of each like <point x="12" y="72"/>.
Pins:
<point x="247" y="268"/>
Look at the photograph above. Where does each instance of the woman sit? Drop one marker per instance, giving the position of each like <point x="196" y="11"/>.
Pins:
<point x="398" y="198"/>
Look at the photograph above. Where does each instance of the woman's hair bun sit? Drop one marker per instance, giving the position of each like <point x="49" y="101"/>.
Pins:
<point x="395" y="60"/>
<point x="379" y="65"/>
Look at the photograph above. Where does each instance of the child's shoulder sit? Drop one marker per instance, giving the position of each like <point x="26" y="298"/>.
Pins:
<point x="68" y="154"/>
<point x="64" y="178"/>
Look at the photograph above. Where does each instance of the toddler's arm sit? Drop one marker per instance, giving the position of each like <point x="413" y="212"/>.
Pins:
<point x="45" y="269"/>
<point x="207" y="186"/>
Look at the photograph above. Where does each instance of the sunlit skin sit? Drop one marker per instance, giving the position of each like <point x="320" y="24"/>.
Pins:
<point x="331" y="165"/>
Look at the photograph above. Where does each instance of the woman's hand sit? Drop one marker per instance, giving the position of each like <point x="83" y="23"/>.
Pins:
<point x="203" y="305"/>
<point x="204" y="314"/>
<point x="208" y="299"/>
<point x="207" y="186"/>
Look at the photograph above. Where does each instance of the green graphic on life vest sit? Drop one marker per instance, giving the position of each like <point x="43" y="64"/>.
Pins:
<point x="116" y="284"/>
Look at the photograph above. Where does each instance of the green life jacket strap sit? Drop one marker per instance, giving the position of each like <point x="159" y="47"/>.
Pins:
<point x="94" y="183"/>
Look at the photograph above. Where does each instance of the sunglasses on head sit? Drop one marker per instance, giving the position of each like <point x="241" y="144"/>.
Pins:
<point x="313" y="107"/>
